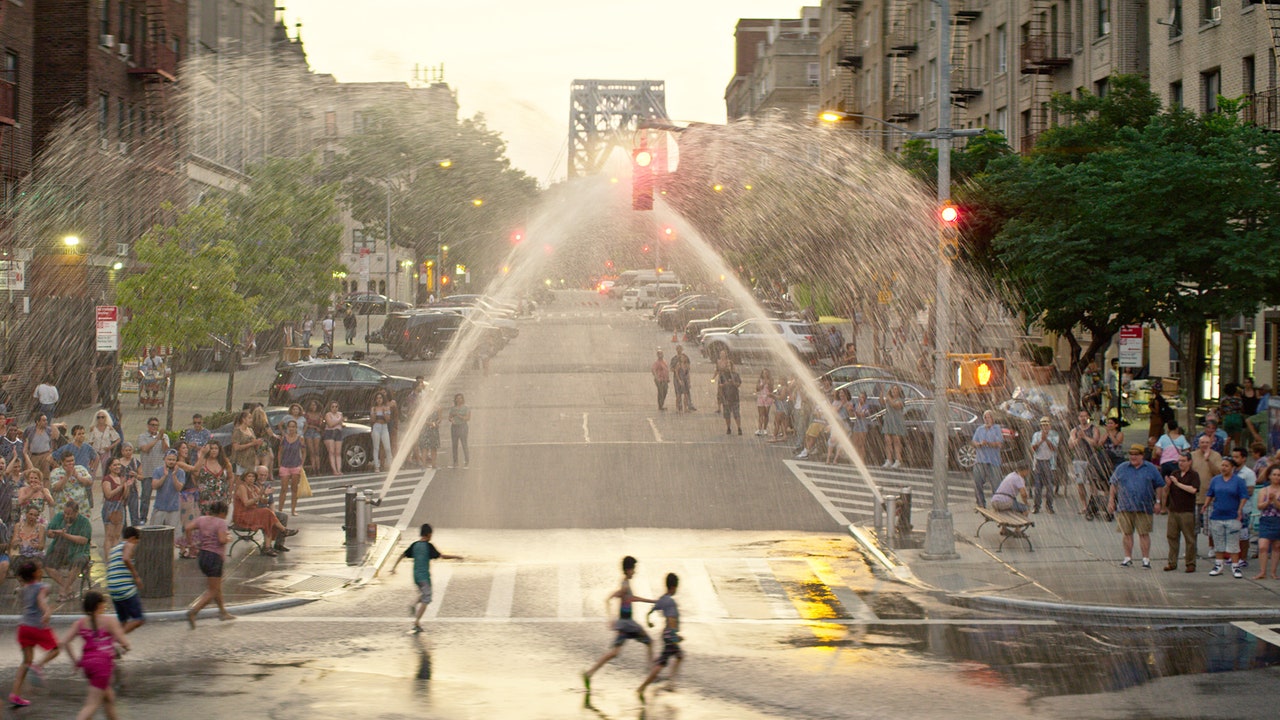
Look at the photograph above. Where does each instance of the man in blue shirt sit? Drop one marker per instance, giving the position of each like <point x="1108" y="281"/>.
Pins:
<point x="1211" y="430"/>
<point x="1227" y="495"/>
<point x="78" y="448"/>
<point x="1133" y="500"/>
<point x="988" y="440"/>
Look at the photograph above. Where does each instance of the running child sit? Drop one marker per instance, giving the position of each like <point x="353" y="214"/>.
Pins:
<point x="99" y="632"/>
<point x="670" y="636"/>
<point x="422" y="552"/>
<point x="625" y="626"/>
<point x="33" y="628"/>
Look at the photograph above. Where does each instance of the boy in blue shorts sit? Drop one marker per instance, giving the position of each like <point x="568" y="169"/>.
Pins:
<point x="627" y="628"/>
<point x="422" y="552"/>
<point x="670" y="636"/>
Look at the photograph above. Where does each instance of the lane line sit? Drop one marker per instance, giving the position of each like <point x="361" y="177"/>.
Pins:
<point x="586" y="431"/>
<point x="817" y="494"/>
<point x="439" y="583"/>
<point x="503" y="591"/>
<point x="657" y="436"/>
<point x="570" y="596"/>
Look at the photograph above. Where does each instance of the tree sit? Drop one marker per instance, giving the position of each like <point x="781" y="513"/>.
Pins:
<point x="1122" y="219"/>
<point x="187" y="291"/>
<point x="450" y="183"/>
<point x="286" y="239"/>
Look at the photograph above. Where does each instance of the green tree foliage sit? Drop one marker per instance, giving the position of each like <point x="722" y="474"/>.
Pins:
<point x="435" y="168"/>
<point x="188" y="289"/>
<point x="1132" y="215"/>
<point x="286" y="239"/>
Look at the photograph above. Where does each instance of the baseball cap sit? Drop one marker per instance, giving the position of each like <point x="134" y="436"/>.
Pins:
<point x="1136" y="449"/>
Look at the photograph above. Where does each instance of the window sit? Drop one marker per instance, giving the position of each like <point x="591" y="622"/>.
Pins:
<point x="1080" y="23"/>
<point x="1104" y="18"/>
<point x="360" y="373"/>
<point x="1248" y="76"/>
<point x="1210" y="89"/>
<point x="331" y="123"/>
<point x="1210" y="11"/>
<point x="1002" y="50"/>
<point x="1002" y="120"/>
<point x="1175" y="94"/>
<point x="9" y="74"/>
<point x="122" y="120"/>
<point x="1175" y="19"/>
<point x="1101" y="87"/>
<point x="104" y="18"/>
<point x="933" y="79"/>
<point x="360" y="241"/>
<point x="104" y="114"/>
<point x="813" y="74"/>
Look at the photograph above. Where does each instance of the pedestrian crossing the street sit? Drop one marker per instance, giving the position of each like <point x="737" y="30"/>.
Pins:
<point x="848" y="498"/>
<point x="398" y="506"/>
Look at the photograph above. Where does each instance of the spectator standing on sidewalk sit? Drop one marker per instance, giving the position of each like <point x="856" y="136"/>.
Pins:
<point x="71" y="481"/>
<point x="1224" y="503"/>
<point x="77" y="448"/>
<point x="987" y="439"/>
<point x="1246" y="473"/>
<point x="1218" y="437"/>
<point x="1133" y="500"/>
<point x="835" y="343"/>
<point x="168" y="482"/>
<point x="680" y="366"/>
<point x="1169" y="448"/>
<point x="729" y="382"/>
<point x="153" y="443"/>
<point x="764" y="401"/>
<point x="1180" y="502"/>
<point x="1207" y="463"/>
<point x="349" y="325"/>
<point x="12" y="446"/>
<point x="326" y="327"/>
<point x="308" y="325"/>
<point x="459" y="424"/>
<point x="1044" y="451"/>
<point x="661" y="377"/>
<point x="104" y="440"/>
<point x="46" y="397"/>
<point x="1269" y="524"/>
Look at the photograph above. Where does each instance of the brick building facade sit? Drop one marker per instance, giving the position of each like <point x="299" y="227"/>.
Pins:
<point x="775" y="68"/>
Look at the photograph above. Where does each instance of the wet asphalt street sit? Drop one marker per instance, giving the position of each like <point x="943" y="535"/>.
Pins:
<point x="573" y="467"/>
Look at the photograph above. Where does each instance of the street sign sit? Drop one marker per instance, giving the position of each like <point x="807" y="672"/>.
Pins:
<point x="1131" y="346"/>
<point x="108" y="325"/>
<point x="13" y="275"/>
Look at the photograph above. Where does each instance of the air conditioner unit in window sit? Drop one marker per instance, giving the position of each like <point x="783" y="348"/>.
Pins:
<point x="123" y="49"/>
<point x="1106" y="27"/>
<point x="123" y="147"/>
<point x="107" y="41"/>
<point x="1215" y="13"/>
<point x="122" y="249"/>
<point x="104" y="144"/>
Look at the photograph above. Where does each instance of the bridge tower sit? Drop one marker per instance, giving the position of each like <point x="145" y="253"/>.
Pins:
<point x="604" y="114"/>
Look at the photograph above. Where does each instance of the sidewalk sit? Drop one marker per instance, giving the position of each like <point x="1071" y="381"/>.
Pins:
<point x="318" y="563"/>
<point x="1074" y="573"/>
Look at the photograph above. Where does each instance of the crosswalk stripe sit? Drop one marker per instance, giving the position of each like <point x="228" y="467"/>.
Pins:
<point x="697" y="583"/>
<point x="570" y="596"/>
<point x="775" y="596"/>
<point x="440" y="575"/>
<point x="502" y="593"/>
<point x="855" y="605"/>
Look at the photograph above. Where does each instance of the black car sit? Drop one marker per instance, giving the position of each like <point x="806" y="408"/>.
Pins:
<point x="877" y="387"/>
<point x="849" y="373"/>
<point x="349" y="383"/>
<point x="693" y="308"/>
<point x="917" y="446"/>
<point x="372" y="304"/>
<point x="420" y="334"/>
<point x="357" y="442"/>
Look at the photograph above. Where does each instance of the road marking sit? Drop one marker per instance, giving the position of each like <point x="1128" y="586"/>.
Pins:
<point x="503" y="591"/>
<point x="440" y="575"/>
<point x="776" y="597"/>
<point x="855" y="605"/>
<point x="570" y="605"/>
<point x="817" y="494"/>
<point x="586" y="431"/>
<point x="1261" y="632"/>
<point x="415" y="499"/>
<point x="697" y="584"/>
<point x="657" y="436"/>
<point x="283" y="617"/>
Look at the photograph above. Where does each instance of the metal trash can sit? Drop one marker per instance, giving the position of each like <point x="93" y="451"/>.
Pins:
<point x="154" y="561"/>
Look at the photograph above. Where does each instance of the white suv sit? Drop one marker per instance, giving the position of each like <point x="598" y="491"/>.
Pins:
<point x="750" y="338"/>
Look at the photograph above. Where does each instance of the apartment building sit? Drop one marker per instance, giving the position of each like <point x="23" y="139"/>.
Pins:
<point x="879" y="58"/>
<point x="775" y="68"/>
<point x="17" y="76"/>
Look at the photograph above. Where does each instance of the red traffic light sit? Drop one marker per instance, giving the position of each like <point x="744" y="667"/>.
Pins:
<point x="517" y="237"/>
<point x="950" y="214"/>
<point x="643" y="157"/>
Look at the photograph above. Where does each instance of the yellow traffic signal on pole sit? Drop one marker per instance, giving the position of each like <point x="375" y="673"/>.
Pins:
<point x="976" y="372"/>
<point x="949" y="230"/>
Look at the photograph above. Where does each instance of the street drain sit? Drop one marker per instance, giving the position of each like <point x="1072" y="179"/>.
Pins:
<point x="317" y="584"/>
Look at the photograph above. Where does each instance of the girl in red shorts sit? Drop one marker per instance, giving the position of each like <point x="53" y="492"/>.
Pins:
<point x="33" y="629"/>
<point x="99" y="632"/>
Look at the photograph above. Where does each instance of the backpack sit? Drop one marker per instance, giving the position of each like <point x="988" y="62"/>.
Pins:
<point x="1167" y="415"/>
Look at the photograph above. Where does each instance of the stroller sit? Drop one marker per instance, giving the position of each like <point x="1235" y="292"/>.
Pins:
<point x="1098" y="490"/>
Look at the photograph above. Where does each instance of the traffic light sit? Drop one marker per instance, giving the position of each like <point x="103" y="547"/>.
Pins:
<point x="517" y="237"/>
<point x="977" y="373"/>
<point x="642" y="179"/>
<point x="668" y="233"/>
<point x="949" y="230"/>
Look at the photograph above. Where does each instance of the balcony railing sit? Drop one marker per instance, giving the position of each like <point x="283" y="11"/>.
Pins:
<point x="966" y="82"/>
<point x="156" y="59"/>
<point x="8" y="109"/>
<point x="902" y="108"/>
<point x="1045" y="52"/>
<point x="1263" y="109"/>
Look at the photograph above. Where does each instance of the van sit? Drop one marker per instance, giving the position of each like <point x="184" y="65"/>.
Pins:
<point x="647" y="295"/>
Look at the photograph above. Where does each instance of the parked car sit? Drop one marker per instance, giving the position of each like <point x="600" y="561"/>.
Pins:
<point x="677" y="316"/>
<point x="917" y="446"/>
<point x="371" y="304"/>
<point x="750" y="338"/>
<point x="357" y="442"/>
<point x="348" y="382"/>
<point x="877" y="388"/>
<point x="849" y="373"/>
<point x="664" y="302"/>
<point x="421" y="334"/>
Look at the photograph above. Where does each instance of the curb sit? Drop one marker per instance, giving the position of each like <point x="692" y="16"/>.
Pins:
<point x="1115" y="615"/>
<point x="249" y="608"/>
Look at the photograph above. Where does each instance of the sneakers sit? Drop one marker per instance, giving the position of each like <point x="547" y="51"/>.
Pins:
<point x="803" y="454"/>
<point x="1242" y="564"/>
<point x="886" y="463"/>
<point x="417" y="629"/>
<point x="1217" y="570"/>
<point x="1127" y="562"/>
<point x="17" y="701"/>
<point x="896" y="464"/>
<point x="1146" y="563"/>
<point x="1236" y="572"/>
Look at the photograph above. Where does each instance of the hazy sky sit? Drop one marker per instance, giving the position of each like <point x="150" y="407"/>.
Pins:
<point x="513" y="60"/>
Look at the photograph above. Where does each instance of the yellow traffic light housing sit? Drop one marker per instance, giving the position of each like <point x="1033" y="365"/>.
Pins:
<point x="974" y="373"/>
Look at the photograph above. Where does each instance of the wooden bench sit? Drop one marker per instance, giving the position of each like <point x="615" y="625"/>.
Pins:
<point x="1012" y="525"/>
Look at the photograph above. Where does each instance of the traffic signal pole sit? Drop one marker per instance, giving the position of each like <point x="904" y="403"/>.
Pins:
<point x="939" y="537"/>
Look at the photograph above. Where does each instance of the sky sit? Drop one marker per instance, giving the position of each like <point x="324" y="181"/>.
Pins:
<point x="513" y="60"/>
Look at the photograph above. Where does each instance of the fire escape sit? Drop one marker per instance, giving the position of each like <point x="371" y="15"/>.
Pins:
<point x="849" y="57"/>
<point x="1263" y="108"/>
<point x="904" y="103"/>
<point x="157" y="68"/>
<point x="1045" y="50"/>
<point x="966" y="74"/>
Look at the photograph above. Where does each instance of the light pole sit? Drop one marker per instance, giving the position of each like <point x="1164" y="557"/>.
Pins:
<point x="939" y="542"/>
